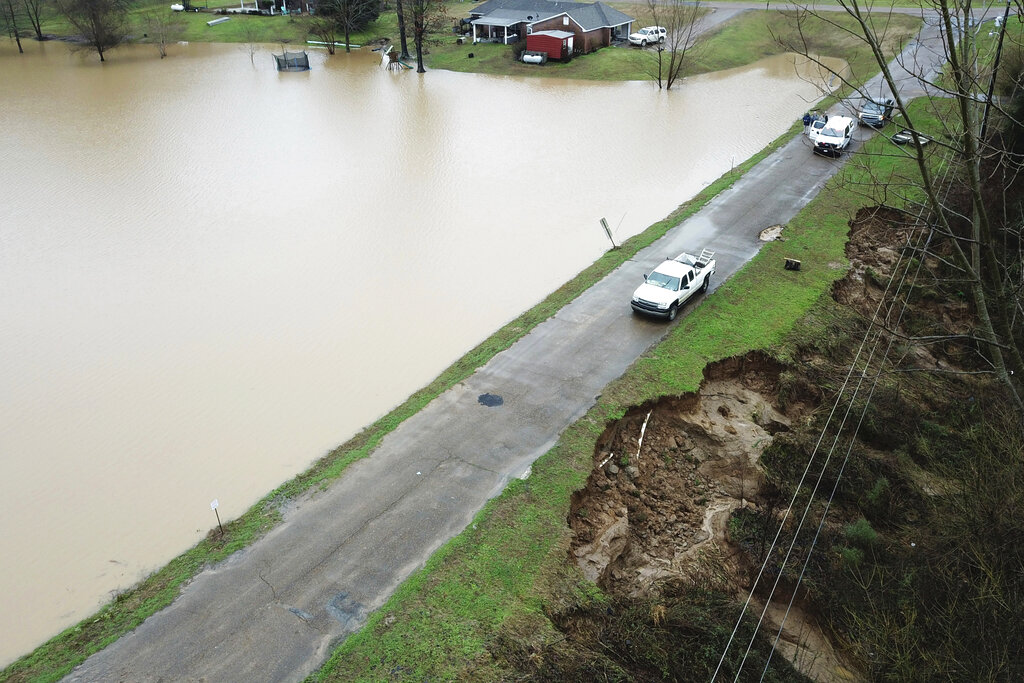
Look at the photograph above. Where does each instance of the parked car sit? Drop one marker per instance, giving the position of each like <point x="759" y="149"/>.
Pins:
<point x="673" y="282"/>
<point x="876" y="113"/>
<point x="836" y="136"/>
<point x="905" y="137"/>
<point x="648" y="34"/>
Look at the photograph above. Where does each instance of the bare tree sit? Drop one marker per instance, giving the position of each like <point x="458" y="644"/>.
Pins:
<point x="10" y="18"/>
<point x="680" y="19"/>
<point x="345" y="16"/>
<point x="34" y="13"/>
<point x="428" y="16"/>
<point x="162" y="28"/>
<point x="252" y="36"/>
<point x="325" y="28"/>
<point x="984" y="254"/>
<point x="101" y="23"/>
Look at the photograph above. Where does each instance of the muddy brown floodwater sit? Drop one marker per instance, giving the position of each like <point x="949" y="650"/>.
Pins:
<point x="213" y="273"/>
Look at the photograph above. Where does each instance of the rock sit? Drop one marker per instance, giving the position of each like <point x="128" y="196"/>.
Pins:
<point x="612" y="469"/>
<point x="595" y="558"/>
<point x="633" y="472"/>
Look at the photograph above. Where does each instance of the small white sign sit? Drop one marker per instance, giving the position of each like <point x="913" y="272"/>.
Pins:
<point x="214" y="504"/>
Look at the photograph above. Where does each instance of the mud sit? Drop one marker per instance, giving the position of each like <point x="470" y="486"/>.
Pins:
<point x="667" y="479"/>
<point x="669" y="476"/>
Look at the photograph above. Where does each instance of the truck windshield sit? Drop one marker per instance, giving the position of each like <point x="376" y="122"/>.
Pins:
<point x="665" y="281"/>
<point x="832" y="133"/>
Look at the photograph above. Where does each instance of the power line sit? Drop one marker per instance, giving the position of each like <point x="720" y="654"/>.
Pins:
<point x="811" y="459"/>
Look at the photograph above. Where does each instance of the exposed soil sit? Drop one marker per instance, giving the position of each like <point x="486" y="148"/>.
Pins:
<point x="668" y="476"/>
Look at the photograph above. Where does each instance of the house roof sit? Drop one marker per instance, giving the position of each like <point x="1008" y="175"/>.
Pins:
<point x="588" y="15"/>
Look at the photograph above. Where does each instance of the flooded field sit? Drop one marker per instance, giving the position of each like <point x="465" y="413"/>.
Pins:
<point x="213" y="273"/>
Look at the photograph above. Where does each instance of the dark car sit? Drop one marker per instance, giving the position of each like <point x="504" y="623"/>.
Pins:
<point x="876" y="113"/>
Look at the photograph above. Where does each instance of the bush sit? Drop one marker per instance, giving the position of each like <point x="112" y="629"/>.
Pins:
<point x="851" y="557"/>
<point x="860" y="534"/>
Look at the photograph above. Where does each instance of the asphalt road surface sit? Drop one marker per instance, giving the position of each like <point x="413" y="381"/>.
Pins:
<point x="274" y="611"/>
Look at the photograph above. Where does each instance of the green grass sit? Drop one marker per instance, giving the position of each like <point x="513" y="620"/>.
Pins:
<point x="439" y="623"/>
<point x="502" y="572"/>
<point x="747" y="38"/>
<point x="755" y="35"/>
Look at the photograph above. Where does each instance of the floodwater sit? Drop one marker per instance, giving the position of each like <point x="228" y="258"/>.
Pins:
<point x="212" y="273"/>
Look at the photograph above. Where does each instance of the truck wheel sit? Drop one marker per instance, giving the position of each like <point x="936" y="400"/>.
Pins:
<point x="672" y="312"/>
<point x="704" y="287"/>
<point x="643" y="43"/>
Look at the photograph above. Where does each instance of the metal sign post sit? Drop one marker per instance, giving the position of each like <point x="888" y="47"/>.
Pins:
<point x="213" y="506"/>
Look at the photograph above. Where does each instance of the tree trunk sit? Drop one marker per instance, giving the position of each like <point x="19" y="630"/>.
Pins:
<point x="32" y="12"/>
<point x="404" y="54"/>
<point x="12" y="23"/>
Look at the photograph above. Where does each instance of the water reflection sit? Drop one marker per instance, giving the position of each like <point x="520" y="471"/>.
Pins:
<point x="214" y="272"/>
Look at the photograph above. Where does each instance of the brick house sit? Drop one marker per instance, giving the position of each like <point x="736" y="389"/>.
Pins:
<point x="593" y="24"/>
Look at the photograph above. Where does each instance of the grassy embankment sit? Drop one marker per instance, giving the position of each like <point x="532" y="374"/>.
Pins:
<point x="499" y="579"/>
<point x="56" y="657"/>
<point x="743" y="40"/>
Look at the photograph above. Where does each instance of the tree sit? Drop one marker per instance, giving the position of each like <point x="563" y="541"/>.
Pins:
<point x="324" y="27"/>
<point x="345" y="16"/>
<point x="162" y="28"/>
<point x="34" y="13"/>
<point x="428" y="16"/>
<point x="103" y="24"/>
<point x="404" y="54"/>
<point x="252" y="36"/>
<point x="10" y="17"/>
<point x="680" y="19"/>
<point x="974" y="213"/>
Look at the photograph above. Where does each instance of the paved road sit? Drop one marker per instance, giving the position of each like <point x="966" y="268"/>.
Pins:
<point x="274" y="611"/>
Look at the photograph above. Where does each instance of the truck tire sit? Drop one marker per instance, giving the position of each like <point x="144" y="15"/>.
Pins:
<point x="673" y="311"/>
<point x="643" y="43"/>
<point x="704" y="287"/>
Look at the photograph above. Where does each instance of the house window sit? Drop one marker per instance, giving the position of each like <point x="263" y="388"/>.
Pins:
<point x="565" y="21"/>
<point x="529" y="30"/>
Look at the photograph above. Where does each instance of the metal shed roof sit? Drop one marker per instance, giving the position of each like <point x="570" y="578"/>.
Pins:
<point x="554" y="34"/>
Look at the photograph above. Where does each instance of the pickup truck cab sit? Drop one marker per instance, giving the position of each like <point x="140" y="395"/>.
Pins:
<point x="817" y="125"/>
<point x="673" y="282"/>
<point x="836" y="136"/>
<point x="648" y="34"/>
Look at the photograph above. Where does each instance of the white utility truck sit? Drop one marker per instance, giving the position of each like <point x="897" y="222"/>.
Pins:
<point x="673" y="282"/>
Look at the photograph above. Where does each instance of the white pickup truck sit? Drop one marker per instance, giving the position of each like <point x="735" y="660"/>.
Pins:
<point x="673" y="282"/>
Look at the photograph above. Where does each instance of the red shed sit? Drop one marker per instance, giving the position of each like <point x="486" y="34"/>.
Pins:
<point x="557" y="44"/>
